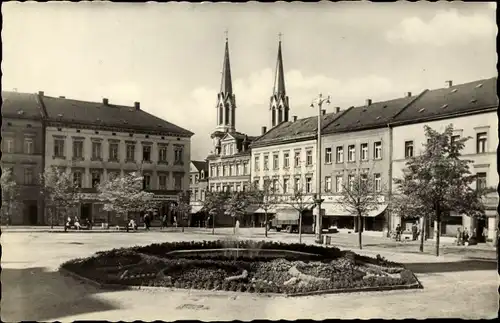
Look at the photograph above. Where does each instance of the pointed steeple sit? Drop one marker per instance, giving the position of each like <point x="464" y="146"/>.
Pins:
<point x="279" y="105"/>
<point x="226" y="85"/>
<point x="279" y="79"/>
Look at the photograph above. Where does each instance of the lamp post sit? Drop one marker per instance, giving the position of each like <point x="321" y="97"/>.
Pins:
<point x="319" y="103"/>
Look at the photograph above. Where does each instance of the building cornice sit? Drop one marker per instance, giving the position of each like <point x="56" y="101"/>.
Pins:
<point x="283" y="141"/>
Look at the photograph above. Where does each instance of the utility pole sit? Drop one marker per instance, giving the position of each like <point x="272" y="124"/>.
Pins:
<point x="319" y="103"/>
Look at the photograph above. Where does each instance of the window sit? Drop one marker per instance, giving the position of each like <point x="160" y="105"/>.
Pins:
<point x="266" y="162"/>
<point x="78" y="179"/>
<point x="162" y="182"/>
<point x="59" y="148"/>
<point x="364" y="152"/>
<point x="309" y="184"/>
<point x="351" y="153"/>
<point x="338" y="183"/>
<point x="238" y="188"/>
<point x="340" y="154"/>
<point x="230" y="169"/>
<point x="146" y="181"/>
<point x="481" y="142"/>
<point x="256" y="183"/>
<point x="96" y="150"/>
<point x="328" y="155"/>
<point x="350" y="181"/>
<point x="77" y="149"/>
<point x="245" y="168"/>
<point x="196" y="179"/>
<point x="377" y="150"/>
<point x="297" y="158"/>
<point x="178" y="181"/>
<point x="409" y="149"/>
<point x="146" y="153"/>
<point x="454" y="139"/>
<point x="364" y="178"/>
<point x="96" y="178"/>
<point x="256" y="163"/>
<point x="286" y="160"/>
<point x="9" y="145"/>
<point x="219" y="170"/>
<point x="162" y="154"/>
<point x="275" y="185"/>
<point x="296" y="184"/>
<point x="286" y="184"/>
<point x="239" y="169"/>
<point x="480" y="181"/>
<point x="113" y="151"/>
<point x="276" y="161"/>
<point x="130" y="152"/>
<point x="113" y="175"/>
<point x="378" y="182"/>
<point x="28" y="146"/>
<point x="178" y="152"/>
<point x="267" y="183"/>
<point x="309" y="157"/>
<point x="28" y="176"/>
<point x="328" y="184"/>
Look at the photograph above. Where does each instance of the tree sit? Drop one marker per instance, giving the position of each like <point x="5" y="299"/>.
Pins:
<point x="359" y="197"/>
<point x="300" y="200"/>
<point x="214" y="205"/>
<point x="124" y="194"/>
<point x="61" y="193"/>
<point x="183" y="207"/>
<point x="266" y="199"/>
<point x="236" y="205"/>
<point x="439" y="181"/>
<point x="10" y="194"/>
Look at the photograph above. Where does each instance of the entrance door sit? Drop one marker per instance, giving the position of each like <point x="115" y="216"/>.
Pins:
<point x="86" y="212"/>
<point x="481" y="224"/>
<point x="33" y="214"/>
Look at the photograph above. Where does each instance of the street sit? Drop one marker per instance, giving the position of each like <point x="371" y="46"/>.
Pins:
<point x="461" y="284"/>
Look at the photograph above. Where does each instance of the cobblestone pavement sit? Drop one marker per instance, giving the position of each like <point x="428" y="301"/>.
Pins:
<point x="456" y="284"/>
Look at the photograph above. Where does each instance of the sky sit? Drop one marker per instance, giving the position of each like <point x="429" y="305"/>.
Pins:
<point x="169" y="56"/>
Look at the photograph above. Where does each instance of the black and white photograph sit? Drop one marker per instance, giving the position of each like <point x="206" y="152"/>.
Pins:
<point x="249" y="161"/>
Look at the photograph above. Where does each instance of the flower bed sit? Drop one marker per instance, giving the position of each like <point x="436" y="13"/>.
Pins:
<point x="329" y="270"/>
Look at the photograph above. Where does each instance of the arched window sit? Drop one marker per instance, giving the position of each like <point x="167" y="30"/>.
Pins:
<point x="220" y="114"/>
<point x="273" y="116"/>
<point x="280" y="115"/>
<point x="227" y="113"/>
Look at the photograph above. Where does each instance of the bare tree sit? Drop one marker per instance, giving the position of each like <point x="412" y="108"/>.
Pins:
<point x="359" y="197"/>
<point x="266" y="199"/>
<point x="10" y="194"/>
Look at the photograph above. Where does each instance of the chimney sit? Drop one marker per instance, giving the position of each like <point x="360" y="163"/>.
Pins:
<point x="264" y="130"/>
<point x="137" y="105"/>
<point x="368" y="102"/>
<point x="449" y="83"/>
<point x="105" y="101"/>
<point x="40" y="93"/>
<point x="323" y="112"/>
<point x="408" y="94"/>
<point x="294" y="118"/>
<point x="337" y="109"/>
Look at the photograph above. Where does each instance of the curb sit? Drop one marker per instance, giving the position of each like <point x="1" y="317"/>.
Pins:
<point x="360" y="290"/>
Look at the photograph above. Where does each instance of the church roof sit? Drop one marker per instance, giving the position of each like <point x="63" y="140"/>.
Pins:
<point x="279" y="80"/>
<point x="226" y="85"/>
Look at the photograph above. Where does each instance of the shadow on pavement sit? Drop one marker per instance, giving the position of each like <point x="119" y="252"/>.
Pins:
<point x="35" y="294"/>
<point x="443" y="267"/>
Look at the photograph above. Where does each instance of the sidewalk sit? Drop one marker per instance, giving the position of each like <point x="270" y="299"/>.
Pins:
<point x="97" y="229"/>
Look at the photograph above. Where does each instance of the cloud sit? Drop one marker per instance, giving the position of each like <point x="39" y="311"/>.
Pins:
<point x="197" y="113"/>
<point x="445" y="28"/>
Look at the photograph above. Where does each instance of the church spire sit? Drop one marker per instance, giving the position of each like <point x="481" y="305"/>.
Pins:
<point x="279" y="79"/>
<point x="226" y="85"/>
<point x="279" y="105"/>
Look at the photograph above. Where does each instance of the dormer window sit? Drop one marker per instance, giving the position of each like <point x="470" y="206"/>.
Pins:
<point x="202" y="175"/>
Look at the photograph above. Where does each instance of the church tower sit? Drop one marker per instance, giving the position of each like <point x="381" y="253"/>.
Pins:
<point x="226" y="103"/>
<point x="279" y="105"/>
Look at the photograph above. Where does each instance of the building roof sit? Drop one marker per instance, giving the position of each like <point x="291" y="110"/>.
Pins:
<point x="302" y="129"/>
<point x="21" y="105"/>
<point x="459" y="99"/>
<point x="375" y="115"/>
<point x="68" y="110"/>
<point x="200" y="165"/>
<point x="226" y="85"/>
<point x="279" y="79"/>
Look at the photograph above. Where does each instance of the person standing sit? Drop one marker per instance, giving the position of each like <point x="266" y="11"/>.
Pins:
<point x="164" y="221"/>
<point x="147" y="222"/>
<point x="414" y="231"/>
<point x="398" y="232"/>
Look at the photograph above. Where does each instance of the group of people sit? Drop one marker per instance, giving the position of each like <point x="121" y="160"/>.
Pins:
<point x="462" y="236"/>
<point x="76" y="223"/>
<point x="415" y="232"/>
<point x="132" y="225"/>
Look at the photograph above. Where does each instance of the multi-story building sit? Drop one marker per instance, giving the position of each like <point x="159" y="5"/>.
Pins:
<point x="285" y="157"/>
<point x="22" y="152"/>
<point x="198" y="185"/>
<point x="472" y="109"/>
<point x="96" y="141"/>
<point x="359" y="141"/>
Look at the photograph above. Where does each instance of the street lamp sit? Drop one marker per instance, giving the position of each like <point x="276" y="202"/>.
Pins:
<point x="319" y="103"/>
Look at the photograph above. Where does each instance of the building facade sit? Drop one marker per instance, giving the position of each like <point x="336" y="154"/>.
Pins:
<point x="23" y="153"/>
<point x="359" y="141"/>
<point x="99" y="141"/>
<point x="472" y="110"/>
<point x="198" y="184"/>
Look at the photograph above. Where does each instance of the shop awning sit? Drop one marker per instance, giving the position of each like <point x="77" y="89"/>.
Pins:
<point x="336" y="209"/>
<point x="262" y="211"/>
<point x="287" y="214"/>
<point x="196" y="208"/>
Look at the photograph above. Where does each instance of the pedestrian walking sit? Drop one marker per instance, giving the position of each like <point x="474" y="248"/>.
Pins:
<point x="147" y="222"/>
<point x="466" y="237"/>
<point x="398" y="232"/>
<point x="414" y="231"/>
<point x="459" y="236"/>
<point x="164" y="221"/>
